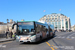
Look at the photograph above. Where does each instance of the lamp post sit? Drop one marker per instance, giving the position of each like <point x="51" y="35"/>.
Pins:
<point x="7" y="23"/>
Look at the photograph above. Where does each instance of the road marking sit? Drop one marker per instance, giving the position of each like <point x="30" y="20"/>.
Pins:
<point x="68" y="39"/>
<point x="5" y="42"/>
<point x="71" y="35"/>
<point x="62" y="34"/>
<point x="52" y="48"/>
<point x="48" y="44"/>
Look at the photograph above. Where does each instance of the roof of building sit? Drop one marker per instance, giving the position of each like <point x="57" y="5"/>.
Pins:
<point x="3" y="24"/>
<point x="55" y="14"/>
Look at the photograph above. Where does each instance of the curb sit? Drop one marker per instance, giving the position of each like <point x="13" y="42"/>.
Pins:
<point x="6" y="40"/>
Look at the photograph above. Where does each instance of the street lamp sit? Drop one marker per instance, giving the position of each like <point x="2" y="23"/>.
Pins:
<point x="7" y="23"/>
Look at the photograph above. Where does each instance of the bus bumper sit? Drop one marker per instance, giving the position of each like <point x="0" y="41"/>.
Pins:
<point x="27" y="41"/>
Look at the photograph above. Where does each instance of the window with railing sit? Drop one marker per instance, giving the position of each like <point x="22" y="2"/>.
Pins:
<point x="55" y="24"/>
<point x="52" y="23"/>
<point x="52" y="19"/>
<point x="62" y="23"/>
<point x="59" y="25"/>
<point x="58" y="19"/>
<point x="55" y="19"/>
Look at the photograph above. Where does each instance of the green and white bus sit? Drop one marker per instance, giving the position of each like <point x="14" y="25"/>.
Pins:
<point x="32" y="31"/>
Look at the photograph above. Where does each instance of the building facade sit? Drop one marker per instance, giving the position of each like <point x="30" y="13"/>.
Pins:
<point x="73" y="28"/>
<point x="5" y="26"/>
<point x="60" y="21"/>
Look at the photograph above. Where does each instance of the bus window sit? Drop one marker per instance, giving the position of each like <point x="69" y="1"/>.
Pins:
<point x="26" y="28"/>
<point x="38" y="28"/>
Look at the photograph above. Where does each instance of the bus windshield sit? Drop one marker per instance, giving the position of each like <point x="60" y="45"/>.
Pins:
<point x="26" y="28"/>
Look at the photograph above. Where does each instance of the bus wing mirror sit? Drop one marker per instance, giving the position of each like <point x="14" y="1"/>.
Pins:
<point x="14" y="25"/>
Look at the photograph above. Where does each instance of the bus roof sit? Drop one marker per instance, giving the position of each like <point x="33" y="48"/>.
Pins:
<point x="33" y="21"/>
<point x="26" y="21"/>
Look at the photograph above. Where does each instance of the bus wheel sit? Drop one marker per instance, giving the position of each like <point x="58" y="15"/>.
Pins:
<point x="47" y="36"/>
<point x="52" y="36"/>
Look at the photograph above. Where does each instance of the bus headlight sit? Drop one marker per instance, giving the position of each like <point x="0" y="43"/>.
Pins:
<point x="18" y="37"/>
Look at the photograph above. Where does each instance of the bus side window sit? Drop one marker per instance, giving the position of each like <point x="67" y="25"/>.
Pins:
<point x="38" y="28"/>
<point x="46" y="30"/>
<point x="43" y="28"/>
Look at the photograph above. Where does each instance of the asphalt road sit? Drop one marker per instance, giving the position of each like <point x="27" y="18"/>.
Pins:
<point x="62" y="41"/>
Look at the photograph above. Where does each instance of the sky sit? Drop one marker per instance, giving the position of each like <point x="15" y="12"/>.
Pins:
<point x="33" y="10"/>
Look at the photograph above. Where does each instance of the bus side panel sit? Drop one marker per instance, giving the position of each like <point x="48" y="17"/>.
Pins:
<point x="47" y="31"/>
<point x="37" y="32"/>
<point x="51" y="30"/>
<point x="41" y="31"/>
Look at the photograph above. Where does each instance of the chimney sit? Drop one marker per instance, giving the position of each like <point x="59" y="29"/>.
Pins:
<point x="22" y="20"/>
<point x="11" y="20"/>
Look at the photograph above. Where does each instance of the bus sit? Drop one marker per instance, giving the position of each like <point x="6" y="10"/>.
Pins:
<point x="32" y="31"/>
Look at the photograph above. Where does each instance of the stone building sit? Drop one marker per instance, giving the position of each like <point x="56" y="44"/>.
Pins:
<point x="5" y="26"/>
<point x="73" y="28"/>
<point x="60" y="21"/>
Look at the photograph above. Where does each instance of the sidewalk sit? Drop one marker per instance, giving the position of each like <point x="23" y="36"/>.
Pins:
<point x="4" y="39"/>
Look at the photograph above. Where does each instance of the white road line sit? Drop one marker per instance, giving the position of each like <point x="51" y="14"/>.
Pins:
<point x="63" y="34"/>
<point x="71" y="34"/>
<point x="6" y="42"/>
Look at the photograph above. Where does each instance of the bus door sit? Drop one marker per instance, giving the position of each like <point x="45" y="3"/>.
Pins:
<point x="44" y="31"/>
<point x="38" y="31"/>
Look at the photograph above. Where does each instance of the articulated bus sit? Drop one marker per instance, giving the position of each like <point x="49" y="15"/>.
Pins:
<point x="32" y="31"/>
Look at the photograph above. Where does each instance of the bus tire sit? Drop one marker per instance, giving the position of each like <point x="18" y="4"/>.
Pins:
<point x="47" y="36"/>
<point x="53" y="36"/>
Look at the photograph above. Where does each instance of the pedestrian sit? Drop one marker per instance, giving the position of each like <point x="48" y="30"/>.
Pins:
<point x="11" y="34"/>
<point x="7" y="33"/>
<point x="15" y="35"/>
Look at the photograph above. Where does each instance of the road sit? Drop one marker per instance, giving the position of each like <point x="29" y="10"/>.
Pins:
<point x="62" y="41"/>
